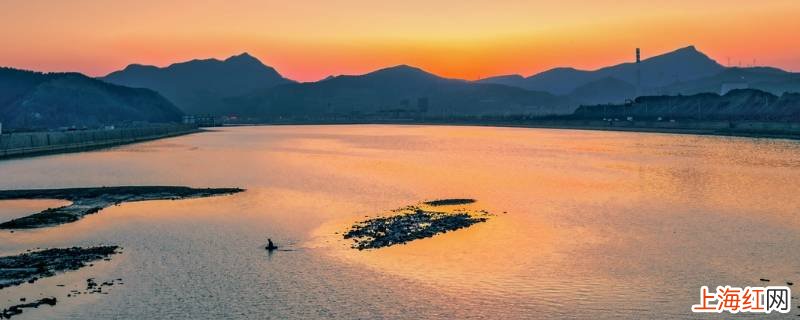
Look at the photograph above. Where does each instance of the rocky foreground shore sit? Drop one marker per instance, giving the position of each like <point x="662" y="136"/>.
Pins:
<point x="14" y="310"/>
<point x="414" y="222"/>
<point x="91" y="200"/>
<point x="31" y="266"/>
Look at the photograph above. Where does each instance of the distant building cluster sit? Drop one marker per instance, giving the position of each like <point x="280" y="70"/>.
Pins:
<point x="407" y="109"/>
<point x="205" y="120"/>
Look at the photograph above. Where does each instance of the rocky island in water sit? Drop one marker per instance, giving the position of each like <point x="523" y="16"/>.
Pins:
<point x="91" y="200"/>
<point x="413" y="222"/>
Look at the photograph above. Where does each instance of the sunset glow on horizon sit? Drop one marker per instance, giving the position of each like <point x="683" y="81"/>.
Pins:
<point x="309" y="40"/>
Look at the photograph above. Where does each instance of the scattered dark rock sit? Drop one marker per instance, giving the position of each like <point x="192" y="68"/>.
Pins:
<point x="29" y="267"/>
<point x="448" y="202"/>
<point x="93" y="287"/>
<point x="789" y="283"/>
<point x="411" y="223"/>
<point x="764" y="280"/>
<point x="87" y="201"/>
<point x="17" y="309"/>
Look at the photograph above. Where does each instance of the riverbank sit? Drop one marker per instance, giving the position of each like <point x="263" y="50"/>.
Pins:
<point x="750" y="129"/>
<point x="41" y="143"/>
<point x="87" y="201"/>
<point x="27" y="144"/>
<point x="770" y="130"/>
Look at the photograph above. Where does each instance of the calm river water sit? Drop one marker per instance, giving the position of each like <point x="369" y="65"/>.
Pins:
<point x="587" y="224"/>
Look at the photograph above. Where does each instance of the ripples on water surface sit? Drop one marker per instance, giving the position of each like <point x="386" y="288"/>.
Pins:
<point x="597" y="224"/>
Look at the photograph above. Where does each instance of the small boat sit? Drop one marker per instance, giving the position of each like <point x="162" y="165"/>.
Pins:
<point x="271" y="246"/>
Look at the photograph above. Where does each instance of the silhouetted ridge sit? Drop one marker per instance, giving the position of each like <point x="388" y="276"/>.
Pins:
<point x="392" y="91"/>
<point x="139" y="67"/>
<point x="683" y="71"/>
<point x="241" y="85"/>
<point x="202" y="86"/>
<point x="242" y="57"/>
<point x="36" y="100"/>
<point x="402" y="71"/>
<point x="680" y="65"/>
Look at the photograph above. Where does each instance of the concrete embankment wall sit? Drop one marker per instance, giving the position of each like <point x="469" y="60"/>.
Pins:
<point x="32" y="143"/>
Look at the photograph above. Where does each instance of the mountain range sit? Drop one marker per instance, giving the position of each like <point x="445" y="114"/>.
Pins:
<point x="201" y="86"/>
<point x="243" y="86"/>
<point x="683" y="71"/>
<point x="401" y="87"/>
<point x="47" y="100"/>
<point x="680" y="65"/>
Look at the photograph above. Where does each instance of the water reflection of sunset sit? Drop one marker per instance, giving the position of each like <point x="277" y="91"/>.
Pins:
<point x="592" y="219"/>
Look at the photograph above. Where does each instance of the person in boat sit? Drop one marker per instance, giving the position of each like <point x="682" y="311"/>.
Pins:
<point x="271" y="246"/>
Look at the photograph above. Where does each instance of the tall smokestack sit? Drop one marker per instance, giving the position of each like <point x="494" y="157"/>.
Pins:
<point x="638" y="72"/>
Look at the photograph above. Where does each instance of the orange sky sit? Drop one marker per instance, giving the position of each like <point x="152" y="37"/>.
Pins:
<point x="310" y="39"/>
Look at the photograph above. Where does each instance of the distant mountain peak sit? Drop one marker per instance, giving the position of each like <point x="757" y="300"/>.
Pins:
<point x="507" y="77"/>
<point x="202" y="86"/>
<point x="683" y="64"/>
<point x="244" y="56"/>
<point x="403" y="69"/>
<point x="683" y="53"/>
<point x="136" y="66"/>
<point x="562" y="69"/>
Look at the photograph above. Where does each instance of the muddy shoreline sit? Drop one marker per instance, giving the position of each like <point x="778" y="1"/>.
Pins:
<point x="87" y="201"/>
